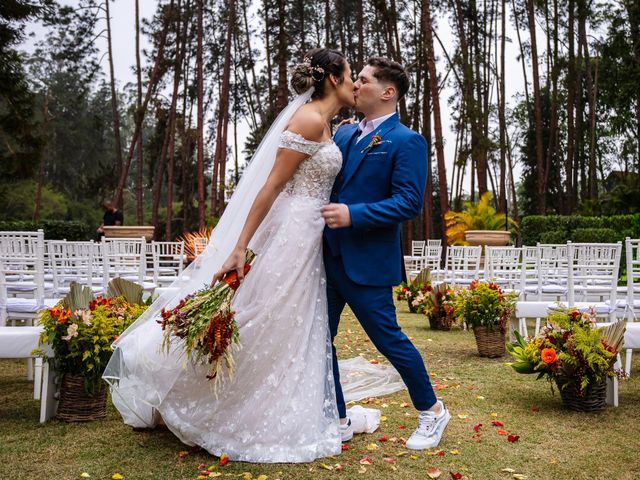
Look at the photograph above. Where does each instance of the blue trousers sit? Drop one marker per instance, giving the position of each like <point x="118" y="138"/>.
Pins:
<point x="376" y="312"/>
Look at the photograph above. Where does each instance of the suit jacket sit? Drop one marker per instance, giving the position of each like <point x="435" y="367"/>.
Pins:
<point x="382" y="181"/>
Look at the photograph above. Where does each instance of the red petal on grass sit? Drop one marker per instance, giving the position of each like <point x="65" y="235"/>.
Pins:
<point x="390" y="460"/>
<point x="366" y="461"/>
<point x="497" y="423"/>
<point x="476" y="428"/>
<point x="383" y="439"/>
<point x="440" y="453"/>
<point x="513" y="438"/>
<point x="402" y="427"/>
<point x="535" y="409"/>
<point x="224" y="459"/>
<point x="345" y="447"/>
<point x="455" y="476"/>
<point x="501" y="432"/>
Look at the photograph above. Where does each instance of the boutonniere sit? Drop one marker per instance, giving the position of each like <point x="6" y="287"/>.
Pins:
<point x="375" y="140"/>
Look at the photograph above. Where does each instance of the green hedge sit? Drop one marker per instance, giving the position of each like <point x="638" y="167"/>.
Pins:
<point x="53" y="229"/>
<point x="560" y="229"/>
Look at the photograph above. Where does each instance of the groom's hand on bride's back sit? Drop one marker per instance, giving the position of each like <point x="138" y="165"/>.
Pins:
<point x="336" y="215"/>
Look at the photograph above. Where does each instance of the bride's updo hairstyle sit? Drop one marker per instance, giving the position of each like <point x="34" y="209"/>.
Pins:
<point x="316" y="66"/>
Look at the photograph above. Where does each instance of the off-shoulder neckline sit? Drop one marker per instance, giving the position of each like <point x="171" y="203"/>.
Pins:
<point x="306" y="139"/>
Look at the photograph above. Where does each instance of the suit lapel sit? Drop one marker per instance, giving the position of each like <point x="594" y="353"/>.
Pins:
<point x="357" y="152"/>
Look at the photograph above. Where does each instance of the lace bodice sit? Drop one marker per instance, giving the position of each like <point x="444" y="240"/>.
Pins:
<point x="316" y="174"/>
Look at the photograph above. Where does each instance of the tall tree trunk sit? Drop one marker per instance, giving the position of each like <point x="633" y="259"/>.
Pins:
<point x="181" y="41"/>
<point x="255" y="86"/>
<point x="427" y="26"/>
<point x="154" y="77"/>
<point x="516" y="15"/>
<point x="360" y="29"/>
<point x="283" y="55"/>
<point x="268" y="52"/>
<point x="541" y="187"/>
<point x="43" y="157"/>
<point x="502" y="198"/>
<point x="114" y="99"/>
<point x="591" y="97"/>
<point x="217" y="204"/>
<point x="200" y="114"/>
<point x="571" y="86"/>
<point x="140" y="160"/>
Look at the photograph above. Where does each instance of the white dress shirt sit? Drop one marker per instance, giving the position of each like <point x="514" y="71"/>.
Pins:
<point x="368" y="126"/>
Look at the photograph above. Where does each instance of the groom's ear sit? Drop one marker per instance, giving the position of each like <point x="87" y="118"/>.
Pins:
<point x="389" y="93"/>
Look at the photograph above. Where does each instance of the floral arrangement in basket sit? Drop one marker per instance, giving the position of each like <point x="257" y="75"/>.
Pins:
<point x="441" y="307"/>
<point x="416" y="295"/>
<point x="80" y="329"/>
<point x="484" y="304"/>
<point x="205" y="325"/>
<point x="570" y="350"/>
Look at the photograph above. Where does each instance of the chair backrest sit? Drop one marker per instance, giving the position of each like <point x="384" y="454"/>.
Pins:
<point x="434" y="242"/>
<point x="551" y="266"/>
<point x="123" y="257"/>
<point x="199" y="245"/>
<point x="22" y="257"/>
<point x="168" y="259"/>
<point x="432" y="257"/>
<point x="71" y="262"/>
<point x="593" y="267"/>
<point x="632" y="250"/>
<point x="417" y="248"/>
<point x="462" y="263"/>
<point x="503" y="265"/>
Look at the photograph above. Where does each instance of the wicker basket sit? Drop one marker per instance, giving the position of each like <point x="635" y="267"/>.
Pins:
<point x="76" y="406"/>
<point x="490" y="343"/>
<point x="594" y="400"/>
<point x="436" y="323"/>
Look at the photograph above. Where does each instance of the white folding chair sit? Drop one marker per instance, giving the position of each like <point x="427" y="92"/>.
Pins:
<point x="552" y="271"/>
<point x="168" y="261"/>
<point x="434" y="242"/>
<point x="629" y="307"/>
<point x="503" y="265"/>
<point x="72" y="262"/>
<point x="125" y="258"/>
<point x="462" y="264"/>
<point x="199" y="245"/>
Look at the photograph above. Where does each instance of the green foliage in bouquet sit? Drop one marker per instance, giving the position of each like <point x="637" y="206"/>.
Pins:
<point x="569" y="350"/>
<point x="484" y="305"/>
<point x="441" y="307"/>
<point x="81" y="329"/>
<point x="415" y="294"/>
<point x="204" y="327"/>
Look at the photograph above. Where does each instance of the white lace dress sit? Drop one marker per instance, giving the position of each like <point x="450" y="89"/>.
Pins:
<point x="280" y="405"/>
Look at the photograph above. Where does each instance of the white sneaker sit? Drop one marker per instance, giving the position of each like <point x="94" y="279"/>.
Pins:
<point x="430" y="429"/>
<point x="346" y="430"/>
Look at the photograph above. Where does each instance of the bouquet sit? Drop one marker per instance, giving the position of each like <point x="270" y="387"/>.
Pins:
<point x="484" y="305"/>
<point x="206" y="324"/>
<point x="415" y="293"/>
<point x="440" y="307"/>
<point x="569" y="350"/>
<point x="80" y="328"/>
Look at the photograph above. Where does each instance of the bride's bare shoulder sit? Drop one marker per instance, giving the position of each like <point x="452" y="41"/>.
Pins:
<point x="308" y="123"/>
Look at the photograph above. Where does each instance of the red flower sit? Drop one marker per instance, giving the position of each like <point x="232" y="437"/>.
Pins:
<point x="231" y="278"/>
<point x="548" y="355"/>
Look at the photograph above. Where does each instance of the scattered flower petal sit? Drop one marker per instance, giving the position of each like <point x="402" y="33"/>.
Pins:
<point x="440" y="453"/>
<point x="383" y="439"/>
<point x="454" y="452"/>
<point x="85" y="475"/>
<point x="383" y="418"/>
<point x="402" y="427"/>
<point x="497" y="423"/>
<point x="476" y="428"/>
<point x="479" y="397"/>
<point x="366" y="461"/>
<point x="345" y="447"/>
<point x="455" y="476"/>
<point x="338" y="467"/>
<point x="535" y="409"/>
<point x="513" y="438"/>
<point x="116" y="476"/>
<point x="363" y="469"/>
<point x="325" y="466"/>
<point x="414" y="457"/>
<point x="434" y="472"/>
<point x="493" y="414"/>
<point x="224" y="459"/>
<point x="501" y="432"/>
<point x="519" y="476"/>
<point x="262" y="477"/>
<point x="463" y="416"/>
<point x="372" y="446"/>
<point x="216" y="474"/>
<point x="390" y="460"/>
<point x="508" y="470"/>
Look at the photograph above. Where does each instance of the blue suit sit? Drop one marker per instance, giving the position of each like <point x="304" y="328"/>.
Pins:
<point x="382" y="181"/>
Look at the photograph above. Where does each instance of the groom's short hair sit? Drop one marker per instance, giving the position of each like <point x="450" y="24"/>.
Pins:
<point x="389" y="71"/>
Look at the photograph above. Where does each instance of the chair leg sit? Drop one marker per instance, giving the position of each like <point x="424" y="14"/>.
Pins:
<point x="37" y="376"/>
<point x="627" y="361"/>
<point x="48" y="402"/>
<point x="29" y="369"/>
<point x="537" y="330"/>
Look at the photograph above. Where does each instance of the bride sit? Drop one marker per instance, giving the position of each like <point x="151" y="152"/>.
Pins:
<point x="280" y="406"/>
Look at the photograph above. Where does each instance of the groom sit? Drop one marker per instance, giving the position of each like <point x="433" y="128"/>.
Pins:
<point x="381" y="184"/>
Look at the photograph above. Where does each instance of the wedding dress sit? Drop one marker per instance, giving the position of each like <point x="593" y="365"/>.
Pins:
<point x="280" y="405"/>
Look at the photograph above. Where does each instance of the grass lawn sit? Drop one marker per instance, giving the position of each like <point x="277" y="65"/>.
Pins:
<point x="553" y="443"/>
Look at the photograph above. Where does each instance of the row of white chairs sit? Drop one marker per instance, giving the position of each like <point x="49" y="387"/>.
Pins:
<point x="35" y="273"/>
